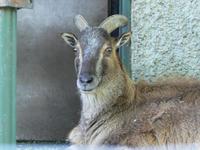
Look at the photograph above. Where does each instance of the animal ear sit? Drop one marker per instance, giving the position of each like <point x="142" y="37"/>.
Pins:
<point x="70" y="39"/>
<point x="125" y="37"/>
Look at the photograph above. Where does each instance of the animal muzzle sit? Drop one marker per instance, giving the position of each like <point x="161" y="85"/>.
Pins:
<point x="87" y="82"/>
<point x="86" y="78"/>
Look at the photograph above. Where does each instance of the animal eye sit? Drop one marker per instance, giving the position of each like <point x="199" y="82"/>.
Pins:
<point x="108" y="51"/>
<point x="75" y="50"/>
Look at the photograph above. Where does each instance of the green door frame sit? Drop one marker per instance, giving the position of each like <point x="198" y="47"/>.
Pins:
<point x="125" y="51"/>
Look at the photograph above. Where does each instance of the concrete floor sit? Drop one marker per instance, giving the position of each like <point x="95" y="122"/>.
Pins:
<point x="66" y="147"/>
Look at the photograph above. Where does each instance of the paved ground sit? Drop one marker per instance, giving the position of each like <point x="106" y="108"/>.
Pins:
<point x="67" y="147"/>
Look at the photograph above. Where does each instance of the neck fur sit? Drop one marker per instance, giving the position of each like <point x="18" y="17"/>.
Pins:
<point x="113" y="87"/>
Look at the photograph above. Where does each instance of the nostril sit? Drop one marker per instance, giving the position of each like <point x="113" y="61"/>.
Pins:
<point x="86" y="79"/>
<point x="89" y="80"/>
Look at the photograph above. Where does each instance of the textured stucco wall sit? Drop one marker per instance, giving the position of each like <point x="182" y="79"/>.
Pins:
<point x="166" y="38"/>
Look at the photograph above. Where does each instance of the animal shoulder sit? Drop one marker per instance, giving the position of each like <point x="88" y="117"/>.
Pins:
<point x="187" y="90"/>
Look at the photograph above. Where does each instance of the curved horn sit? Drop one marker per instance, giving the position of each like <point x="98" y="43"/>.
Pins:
<point x="80" y="22"/>
<point x="113" y="22"/>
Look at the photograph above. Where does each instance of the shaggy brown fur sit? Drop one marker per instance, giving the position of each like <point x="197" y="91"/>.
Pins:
<point x="144" y="114"/>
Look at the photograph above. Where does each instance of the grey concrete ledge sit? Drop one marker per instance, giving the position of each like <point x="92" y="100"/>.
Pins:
<point x="66" y="147"/>
<point x="16" y="3"/>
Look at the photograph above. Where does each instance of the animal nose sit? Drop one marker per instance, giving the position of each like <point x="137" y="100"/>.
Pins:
<point x="86" y="78"/>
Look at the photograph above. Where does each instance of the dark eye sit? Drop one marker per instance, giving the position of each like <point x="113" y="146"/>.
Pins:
<point x="75" y="50"/>
<point x="108" y="51"/>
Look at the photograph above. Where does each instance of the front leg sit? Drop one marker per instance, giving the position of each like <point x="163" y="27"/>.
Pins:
<point x="76" y="136"/>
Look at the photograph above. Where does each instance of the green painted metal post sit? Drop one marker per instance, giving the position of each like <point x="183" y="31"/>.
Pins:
<point x="8" y="21"/>
<point x="7" y="74"/>
<point x="125" y="52"/>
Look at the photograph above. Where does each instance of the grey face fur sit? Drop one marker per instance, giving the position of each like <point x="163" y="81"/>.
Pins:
<point x="90" y="63"/>
<point x="93" y="49"/>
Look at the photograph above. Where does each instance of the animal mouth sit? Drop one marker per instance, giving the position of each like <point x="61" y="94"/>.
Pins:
<point x="87" y="90"/>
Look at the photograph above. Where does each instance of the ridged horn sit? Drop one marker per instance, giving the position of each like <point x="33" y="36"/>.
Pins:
<point x="113" y="22"/>
<point x="80" y="22"/>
